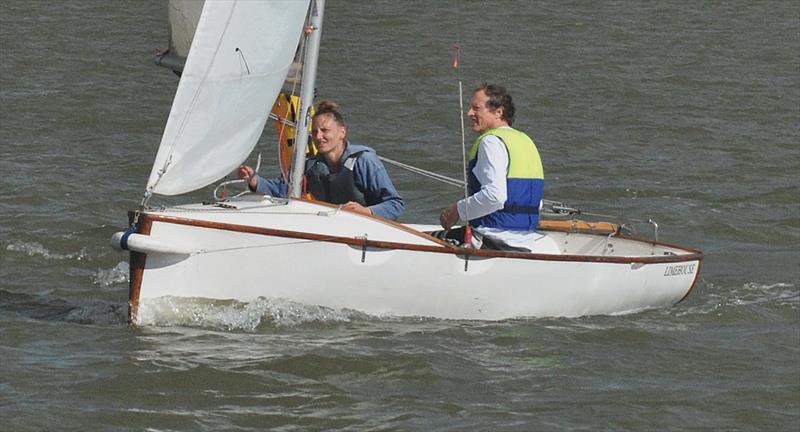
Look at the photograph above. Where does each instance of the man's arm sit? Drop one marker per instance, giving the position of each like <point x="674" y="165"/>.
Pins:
<point x="379" y="191"/>
<point x="273" y="187"/>
<point x="276" y="187"/>
<point x="491" y="170"/>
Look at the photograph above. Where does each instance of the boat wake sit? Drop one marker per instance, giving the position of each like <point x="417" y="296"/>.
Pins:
<point x="263" y="314"/>
<point x="266" y="313"/>
<point x="232" y="315"/>
<point x="719" y="300"/>
<point x="116" y="275"/>
<point x="36" y="249"/>
<point x="751" y="293"/>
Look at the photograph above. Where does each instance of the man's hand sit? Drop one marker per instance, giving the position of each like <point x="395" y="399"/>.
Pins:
<point x="356" y="207"/>
<point x="449" y="216"/>
<point x="249" y="174"/>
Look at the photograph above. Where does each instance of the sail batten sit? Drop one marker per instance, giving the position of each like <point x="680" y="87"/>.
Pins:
<point x="237" y="63"/>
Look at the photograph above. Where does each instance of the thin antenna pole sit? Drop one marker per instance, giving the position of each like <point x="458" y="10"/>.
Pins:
<point x="463" y="142"/>
<point x="456" y="64"/>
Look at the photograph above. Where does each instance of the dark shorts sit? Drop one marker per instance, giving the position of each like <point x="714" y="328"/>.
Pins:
<point x="455" y="236"/>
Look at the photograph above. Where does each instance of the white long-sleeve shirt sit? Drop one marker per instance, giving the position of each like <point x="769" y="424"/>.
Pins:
<point x="491" y="170"/>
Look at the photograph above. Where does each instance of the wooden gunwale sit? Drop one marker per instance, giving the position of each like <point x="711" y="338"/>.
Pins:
<point x="694" y="282"/>
<point x="693" y="254"/>
<point x="138" y="259"/>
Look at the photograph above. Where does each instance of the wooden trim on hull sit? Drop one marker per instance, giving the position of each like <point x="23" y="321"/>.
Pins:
<point x="694" y="282"/>
<point x="146" y="220"/>
<point x="448" y="249"/>
<point x="395" y="224"/>
<point x="566" y="225"/>
<point x="578" y="226"/>
<point x="137" y="264"/>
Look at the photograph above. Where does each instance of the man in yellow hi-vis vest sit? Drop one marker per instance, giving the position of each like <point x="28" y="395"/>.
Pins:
<point x="505" y="177"/>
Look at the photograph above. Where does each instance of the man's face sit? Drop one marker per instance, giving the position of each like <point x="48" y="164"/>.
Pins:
<point x="328" y="134"/>
<point x="481" y="117"/>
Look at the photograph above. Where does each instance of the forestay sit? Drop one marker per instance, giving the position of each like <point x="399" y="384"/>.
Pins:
<point x="239" y="58"/>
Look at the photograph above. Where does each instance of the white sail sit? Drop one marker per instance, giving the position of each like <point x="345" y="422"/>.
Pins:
<point x="237" y="63"/>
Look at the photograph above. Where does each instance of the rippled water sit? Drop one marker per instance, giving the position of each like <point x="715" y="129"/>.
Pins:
<point x="686" y="112"/>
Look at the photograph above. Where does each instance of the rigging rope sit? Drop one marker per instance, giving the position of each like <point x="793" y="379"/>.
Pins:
<point x="555" y="207"/>
<point x="284" y="122"/>
<point x="439" y="177"/>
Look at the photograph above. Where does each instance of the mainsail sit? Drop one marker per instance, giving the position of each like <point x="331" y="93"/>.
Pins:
<point x="231" y="78"/>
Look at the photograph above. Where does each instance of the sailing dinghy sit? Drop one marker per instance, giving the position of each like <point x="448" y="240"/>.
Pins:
<point x="229" y="80"/>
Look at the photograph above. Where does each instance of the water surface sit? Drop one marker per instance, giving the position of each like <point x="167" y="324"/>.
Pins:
<point x="684" y="112"/>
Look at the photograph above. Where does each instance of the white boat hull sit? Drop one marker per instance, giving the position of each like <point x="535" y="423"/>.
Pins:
<point x="252" y="248"/>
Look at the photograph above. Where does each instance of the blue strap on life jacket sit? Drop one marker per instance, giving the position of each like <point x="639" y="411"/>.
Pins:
<point x="514" y="208"/>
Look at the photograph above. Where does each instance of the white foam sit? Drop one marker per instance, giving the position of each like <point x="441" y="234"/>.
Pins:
<point x="115" y="275"/>
<point x="755" y="293"/>
<point x="35" y="248"/>
<point x="235" y="315"/>
<point x="719" y="298"/>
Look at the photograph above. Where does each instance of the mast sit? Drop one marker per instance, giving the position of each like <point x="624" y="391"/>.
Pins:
<point x="316" y="11"/>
